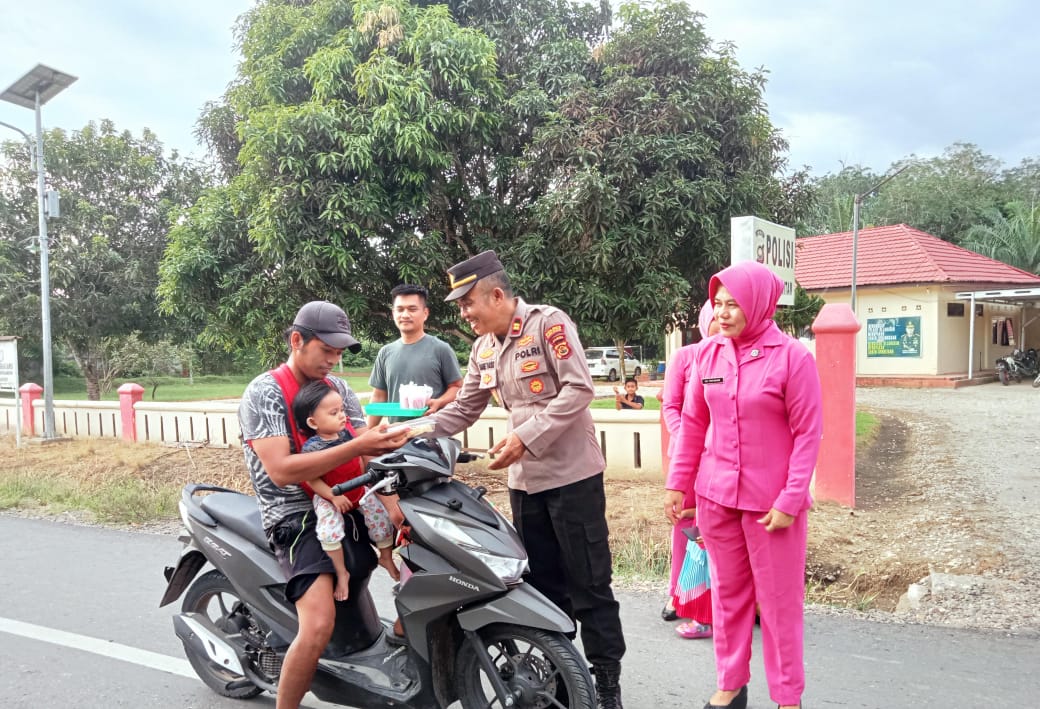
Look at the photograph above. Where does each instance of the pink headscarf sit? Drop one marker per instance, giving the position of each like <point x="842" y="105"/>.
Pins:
<point x="704" y="319"/>
<point x="756" y="290"/>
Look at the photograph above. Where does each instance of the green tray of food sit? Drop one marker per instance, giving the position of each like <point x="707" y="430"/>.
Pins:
<point x="392" y="408"/>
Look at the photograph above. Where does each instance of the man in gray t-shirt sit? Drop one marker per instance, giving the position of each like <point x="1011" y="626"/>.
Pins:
<point x="416" y="358"/>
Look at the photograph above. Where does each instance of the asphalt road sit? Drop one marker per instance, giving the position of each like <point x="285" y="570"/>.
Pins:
<point x="81" y="627"/>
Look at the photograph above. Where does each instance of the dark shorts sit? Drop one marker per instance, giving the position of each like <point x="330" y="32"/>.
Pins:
<point x="298" y="550"/>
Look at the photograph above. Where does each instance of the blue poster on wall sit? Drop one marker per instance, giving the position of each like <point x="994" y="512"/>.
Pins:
<point x="894" y="337"/>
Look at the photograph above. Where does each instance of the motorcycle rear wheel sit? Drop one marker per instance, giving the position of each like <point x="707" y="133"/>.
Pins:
<point x="1036" y="382"/>
<point x="540" y="669"/>
<point x="213" y="595"/>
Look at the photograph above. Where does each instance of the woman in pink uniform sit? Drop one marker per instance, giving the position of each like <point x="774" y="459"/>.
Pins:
<point x="751" y="472"/>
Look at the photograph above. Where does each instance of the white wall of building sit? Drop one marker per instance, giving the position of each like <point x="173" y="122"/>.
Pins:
<point x="944" y="333"/>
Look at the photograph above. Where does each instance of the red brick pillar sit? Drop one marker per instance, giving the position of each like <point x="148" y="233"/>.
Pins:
<point x="29" y="392"/>
<point x="129" y="394"/>
<point x="835" y="328"/>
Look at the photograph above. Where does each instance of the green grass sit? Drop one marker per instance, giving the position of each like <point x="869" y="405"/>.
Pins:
<point x="184" y="389"/>
<point x="640" y="556"/>
<point x="650" y="402"/>
<point x="866" y="428"/>
<point x="124" y="500"/>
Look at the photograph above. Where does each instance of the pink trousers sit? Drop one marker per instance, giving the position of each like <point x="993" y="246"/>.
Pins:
<point x="750" y="565"/>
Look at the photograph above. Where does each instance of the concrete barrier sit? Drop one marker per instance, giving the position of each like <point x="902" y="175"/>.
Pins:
<point x="630" y="440"/>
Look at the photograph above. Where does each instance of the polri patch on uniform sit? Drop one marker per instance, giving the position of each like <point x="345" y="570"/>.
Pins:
<point x="487" y="380"/>
<point x="529" y="366"/>
<point x="556" y="336"/>
<point x="554" y="333"/>
<point x="525" y="341"/>
<point x="516" y="327"/>
<point x="712" y="380"/>
<point x="536" y="386"/>
<point x="487" y="354"/>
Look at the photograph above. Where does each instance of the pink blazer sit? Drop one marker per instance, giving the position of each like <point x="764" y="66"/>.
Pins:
<point x="767" y="409"/>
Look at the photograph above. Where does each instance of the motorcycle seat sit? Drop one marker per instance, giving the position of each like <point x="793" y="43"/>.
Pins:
<point x="239" y="513"/>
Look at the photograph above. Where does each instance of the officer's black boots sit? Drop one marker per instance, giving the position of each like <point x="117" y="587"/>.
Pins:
<point x="608" y="686"/>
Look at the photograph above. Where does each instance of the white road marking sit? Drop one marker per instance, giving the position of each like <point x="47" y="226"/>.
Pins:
<point x="883" y="661"/>
<point x="105" y="648"/>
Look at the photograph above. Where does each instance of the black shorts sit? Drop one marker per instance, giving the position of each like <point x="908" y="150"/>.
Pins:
<point x="298" y="550"/>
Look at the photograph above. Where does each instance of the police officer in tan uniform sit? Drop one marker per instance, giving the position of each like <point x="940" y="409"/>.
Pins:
<point x="531" y="356"/>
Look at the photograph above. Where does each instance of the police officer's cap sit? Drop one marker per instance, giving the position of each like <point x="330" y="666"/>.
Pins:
<point x="463" y="276"/>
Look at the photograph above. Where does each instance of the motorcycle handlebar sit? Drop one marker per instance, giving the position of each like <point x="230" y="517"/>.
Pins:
<point x="368" y="478"/>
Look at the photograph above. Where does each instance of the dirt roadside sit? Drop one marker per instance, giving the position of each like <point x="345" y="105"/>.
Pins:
<point x="945" y="501"/>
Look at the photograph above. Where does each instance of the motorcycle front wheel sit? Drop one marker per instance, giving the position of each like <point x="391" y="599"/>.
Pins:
<point x="539" y="669"/>
<point x="213" y="595"/>
<point x="1002" y="374"/>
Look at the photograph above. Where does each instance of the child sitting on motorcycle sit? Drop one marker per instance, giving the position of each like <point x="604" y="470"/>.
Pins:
<point x="318" y="410"/>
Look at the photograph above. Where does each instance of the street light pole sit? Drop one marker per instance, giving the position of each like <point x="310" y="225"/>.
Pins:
<point x="45" y="282"/>
<point x="33" y="90"/>
<point x="857" y="203"/>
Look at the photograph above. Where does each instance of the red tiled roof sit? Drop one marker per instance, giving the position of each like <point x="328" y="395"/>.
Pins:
<point x="888" y="255"/>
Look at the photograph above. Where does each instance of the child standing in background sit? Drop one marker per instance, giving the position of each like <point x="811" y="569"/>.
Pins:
<point x="628" y="401"/>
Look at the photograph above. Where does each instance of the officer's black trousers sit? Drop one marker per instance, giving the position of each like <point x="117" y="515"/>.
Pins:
<point x="565" y="533"/>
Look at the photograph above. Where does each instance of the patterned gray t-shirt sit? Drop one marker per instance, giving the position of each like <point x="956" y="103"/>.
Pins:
<point x="263" y="413"/>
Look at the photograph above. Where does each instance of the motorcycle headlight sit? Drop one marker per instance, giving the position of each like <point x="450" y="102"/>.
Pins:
<point x="506" y="568"/>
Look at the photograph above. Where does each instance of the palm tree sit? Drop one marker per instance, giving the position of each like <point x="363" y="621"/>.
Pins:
<point x="1012" y="237"/>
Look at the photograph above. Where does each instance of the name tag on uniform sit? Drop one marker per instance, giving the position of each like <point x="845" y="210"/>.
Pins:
<point x="712" y="380"/>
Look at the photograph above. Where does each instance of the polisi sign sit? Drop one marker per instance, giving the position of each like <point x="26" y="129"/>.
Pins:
<point x="754" y="239"/>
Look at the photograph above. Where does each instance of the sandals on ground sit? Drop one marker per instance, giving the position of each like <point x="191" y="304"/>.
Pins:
<point x="693" y="630"/>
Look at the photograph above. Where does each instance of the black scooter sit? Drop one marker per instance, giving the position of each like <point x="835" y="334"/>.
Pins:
<point x="474" y="631"/>
<point x="1018" y="365"/>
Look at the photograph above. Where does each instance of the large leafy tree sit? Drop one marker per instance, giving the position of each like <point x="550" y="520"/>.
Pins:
<point x="118" y="195"/>
<point x="360" y="125"/>
<point x="655" y="146"/>
<point x="382" y="141"/>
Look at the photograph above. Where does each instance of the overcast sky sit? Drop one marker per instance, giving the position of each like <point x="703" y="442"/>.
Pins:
<point x="849" y="82"/>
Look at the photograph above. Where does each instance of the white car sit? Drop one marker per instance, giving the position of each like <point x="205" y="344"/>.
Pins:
<point x="604" y="362"/>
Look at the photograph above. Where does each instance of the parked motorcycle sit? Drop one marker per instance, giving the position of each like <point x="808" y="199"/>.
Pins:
<point x="1019" y="365"/>
<point x="474" y="631"/>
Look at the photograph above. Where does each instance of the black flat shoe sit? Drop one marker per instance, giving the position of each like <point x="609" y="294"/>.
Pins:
<point x="669" y="614"/>
<point x="738" y="702"/>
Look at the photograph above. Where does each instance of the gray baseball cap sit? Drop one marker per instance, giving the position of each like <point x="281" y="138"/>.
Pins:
<point x="329" y="324"/>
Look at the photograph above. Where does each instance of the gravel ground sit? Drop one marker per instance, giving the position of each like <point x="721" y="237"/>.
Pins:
<point x="974" y="452"/>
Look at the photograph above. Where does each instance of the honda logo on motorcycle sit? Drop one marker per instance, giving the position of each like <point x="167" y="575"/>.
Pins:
<point x="465" y="584"/>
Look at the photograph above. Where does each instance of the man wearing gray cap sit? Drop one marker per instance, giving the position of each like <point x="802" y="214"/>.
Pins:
<point x="271" y="442"/>
<point x="532" y="357"/>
